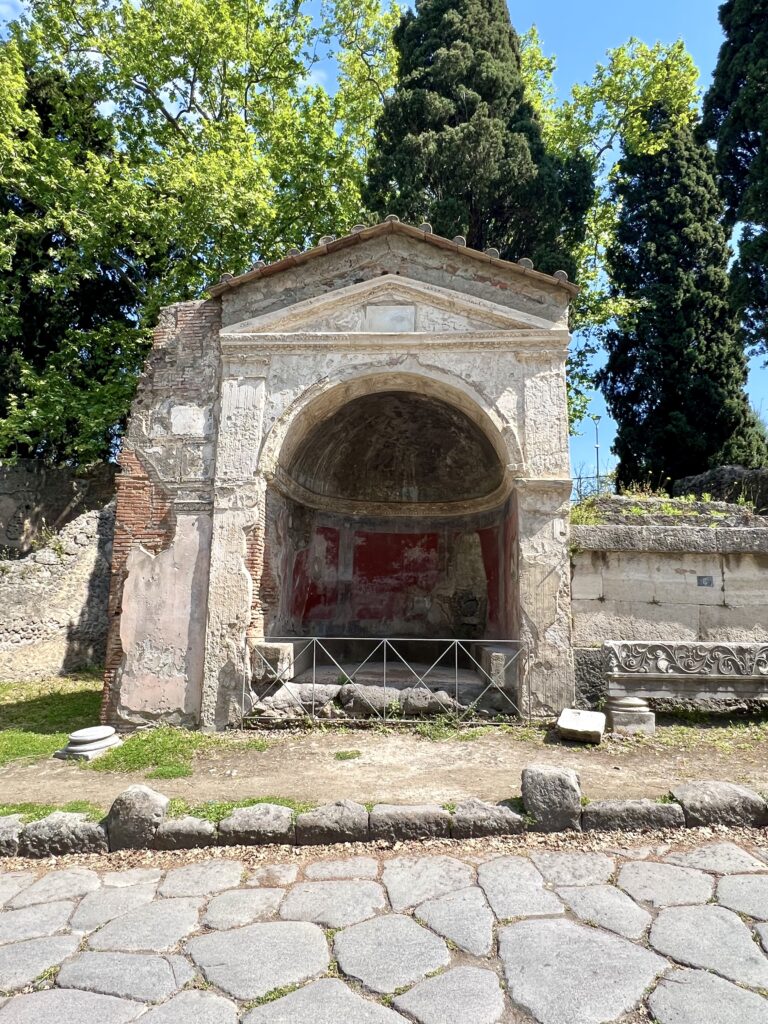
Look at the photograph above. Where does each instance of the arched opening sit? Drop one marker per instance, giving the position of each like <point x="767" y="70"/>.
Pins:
<point x="389" y="515"/>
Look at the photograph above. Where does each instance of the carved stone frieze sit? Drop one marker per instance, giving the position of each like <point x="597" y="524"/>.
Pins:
<point x="686" y="659"/>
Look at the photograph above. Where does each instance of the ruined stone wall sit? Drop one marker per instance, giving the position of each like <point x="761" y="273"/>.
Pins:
<point x="158" y="588"/>
<point x="35" y="498"/>
<point x="669" y="583"/>
<point x="53" y="602"/>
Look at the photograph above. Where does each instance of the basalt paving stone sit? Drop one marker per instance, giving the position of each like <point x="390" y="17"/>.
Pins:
<point x="132" y="876"/>
<point x="746" y="894"/>
<point x="574" y="868"/>
<point x="273" y="875"/>
<point x="515" y="888"/>
<point x="456" y="997"/>
<point x="463" y="917"/>
<point x="389" y="952"/>
<point x="762" y="934"/>
<point x="323" y="1002"/>
<point x="193" y="1007"/>
<point x="34" y="922"/>
<point x="202" y="879"/>
<point x="68" y="1006"/>
<point x="722" y="858"/>
<point x="411" y="880"/>
<point x="155" y="928"/>
<point x="562" y="972"/>
<point x="334" y="904"/>
<point x="697" y="997"/>
<point x="713" y="938"/>
<point x="665" y="885"/>
<point x="143" y="976"/>
<point x="607" y="907"/>
<point x="22" y="962"/>
<point x="12" y="883"/>
<point x="58" y="885"/>
<point x="352" y="867"/>
<point x="242" y="906"/>
<point x="249" y="962"/>
<point x="97" y="908"/>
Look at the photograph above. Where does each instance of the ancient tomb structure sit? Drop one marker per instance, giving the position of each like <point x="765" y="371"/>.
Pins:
<point x="367" y="439"/>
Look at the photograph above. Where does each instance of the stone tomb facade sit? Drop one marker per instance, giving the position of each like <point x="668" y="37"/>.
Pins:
<point x="367" y="439"/>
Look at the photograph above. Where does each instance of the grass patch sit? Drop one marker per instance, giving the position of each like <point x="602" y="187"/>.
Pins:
<point x="216" y="810"/>
<point x="347" y="755"/>
<point x="162" y="753"/>
<point x="34" y="812"/>
<point x="710" y="731"/>
<point x="586" y="513"/>
<point x="37" y="717"/>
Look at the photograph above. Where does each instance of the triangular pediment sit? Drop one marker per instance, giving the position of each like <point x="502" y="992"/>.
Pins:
<point x="391" y="304"/>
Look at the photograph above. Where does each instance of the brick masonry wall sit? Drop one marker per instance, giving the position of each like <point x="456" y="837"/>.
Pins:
<point x="53" y="602"/>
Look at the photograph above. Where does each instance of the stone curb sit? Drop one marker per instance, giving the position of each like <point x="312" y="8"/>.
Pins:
<point x="552" y="802"/>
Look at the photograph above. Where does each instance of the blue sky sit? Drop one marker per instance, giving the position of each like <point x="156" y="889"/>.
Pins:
<point x="579" y="35"/>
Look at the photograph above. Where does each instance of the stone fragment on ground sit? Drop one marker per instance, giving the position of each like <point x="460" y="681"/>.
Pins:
<point x="193" y="1007"/>
<point x="68" y="1006"/>
<point x="721" y="858"/>
<point x="462" y="917"/>
<point x="746" y="894"/>
<point x="202" y="879"/>
<point x="552" y="796"/>
<point x="22" y="962"/>
<point x="696" y="997"/>
<point x="607" y="907"/>
<point x="720" y="803"/>
<point x="461" y="995"/>
<point x="574" y="868"/>
<point x="665" y="885"/>
<point x="350" y="867"/>
<point x="712" y="938"/>
<point x="412" y="880"/>
<point x="249" y="962"/>
<point x="515" y="888"/>
<point x="144" y="976"/>
<point x="10" y="830"/>
<point x="323" y="1002"/>
<point x="334" y="904"/>
<point x="238" y="907"/>
<point x="389" y="952"/>
<point x="546" y="964"/>
<point x="582" y="726"/>
<point x="155" y="928"/>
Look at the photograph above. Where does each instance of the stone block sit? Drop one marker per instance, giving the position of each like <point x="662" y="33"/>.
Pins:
<point x="720" y="803"/>
<point x="184" y="833"/>
<point x="61" y="833"/>
<point x="630" y="816"/>
<point x="135" y="817"/>
<point x="552" y="796"/>
<point x="341" y="822"/>
<point x="473" y="818"/>
<point x="260" y="825"/>
<point x="420" y="821"/>
<point x="10" y="830"/>
<point x="585" y="726"/>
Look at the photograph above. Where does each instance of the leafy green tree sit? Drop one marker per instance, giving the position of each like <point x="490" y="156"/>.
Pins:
<point x="459" y="144"/>
<point x="736" y="119"/>
<point x="178" y="140"/>
<point x="675" y="375"/>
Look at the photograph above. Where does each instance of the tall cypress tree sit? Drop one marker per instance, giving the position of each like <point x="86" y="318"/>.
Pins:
<point x="458" y="143"/>
<point x="736" y="119"/>
<point x="675" y="375"/>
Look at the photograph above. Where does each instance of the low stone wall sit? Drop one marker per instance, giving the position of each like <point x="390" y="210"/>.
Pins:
<point x="53" y="602"/>
<point x="552" y="801"/>
<point x="33" y="496"/>
<point x="728" y="483"/>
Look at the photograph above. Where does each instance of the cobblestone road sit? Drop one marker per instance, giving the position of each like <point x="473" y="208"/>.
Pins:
<point x="552" y="937"/>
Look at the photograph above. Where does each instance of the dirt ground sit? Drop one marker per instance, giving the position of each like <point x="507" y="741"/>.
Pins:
<point x="403" y="768"/>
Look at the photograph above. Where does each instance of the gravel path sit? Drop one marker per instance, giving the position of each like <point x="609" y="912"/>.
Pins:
<point x="563" y="931"/>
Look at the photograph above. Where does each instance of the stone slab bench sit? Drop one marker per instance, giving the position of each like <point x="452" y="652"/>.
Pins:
<point x="637" y="671"/>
